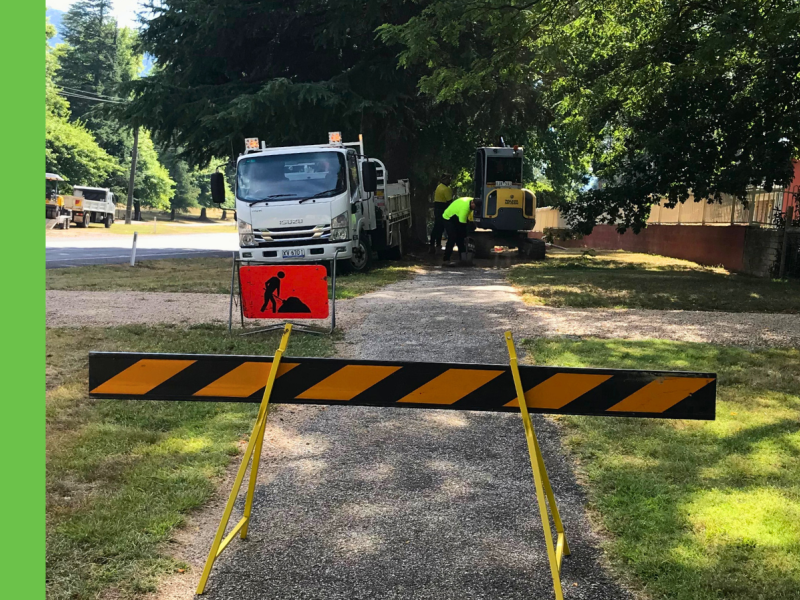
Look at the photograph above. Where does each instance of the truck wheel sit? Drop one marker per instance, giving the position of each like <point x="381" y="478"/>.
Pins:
<point x="362" y="255"/>
<point x="85" y="221"/>
<point x="109" y="220"/>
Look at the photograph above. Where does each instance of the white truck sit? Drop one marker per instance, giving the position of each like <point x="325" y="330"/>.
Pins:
<point x="91" y="205"/>
<point x="316" y="203"/>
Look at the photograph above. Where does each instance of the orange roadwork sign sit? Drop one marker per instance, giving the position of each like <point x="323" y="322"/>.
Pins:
<point x="284" y="292"/>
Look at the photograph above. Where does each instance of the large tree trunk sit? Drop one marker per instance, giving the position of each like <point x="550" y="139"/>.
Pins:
<point x="203" y="216"/>
<point x="224" y="214"/>
<point x="137" y="210"/>
<point x="172" y="215"/>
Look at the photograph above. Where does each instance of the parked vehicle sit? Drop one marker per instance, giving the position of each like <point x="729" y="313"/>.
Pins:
<point x="91" y="205"/>
<point x="85" y="205"/>
<point x="508" y="213"/>
<point x="53" y="200"/>
<point x="316" y="203"/>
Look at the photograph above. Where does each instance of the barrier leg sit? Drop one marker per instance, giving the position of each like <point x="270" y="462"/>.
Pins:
<point x="555" y="552"/>
<point x="248" y="503"/>
<point x="253" y="450"/>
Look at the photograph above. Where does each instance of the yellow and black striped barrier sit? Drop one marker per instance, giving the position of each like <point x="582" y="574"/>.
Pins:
<point x="265" y="379"/>
<point x="557" y="390"/>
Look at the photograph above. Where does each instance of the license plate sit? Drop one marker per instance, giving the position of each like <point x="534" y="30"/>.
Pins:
<point x="293" y="254"/>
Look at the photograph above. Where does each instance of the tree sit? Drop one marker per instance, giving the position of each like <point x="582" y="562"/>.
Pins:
<point x="70" y="149"/>
<point x="653" y="98"/>
<point x="98" y="59"/>
<point x="90" y="62"/>
<point x="187" y="190"/>
<point x="680" y="98"/>
<point x="289" y="72"/>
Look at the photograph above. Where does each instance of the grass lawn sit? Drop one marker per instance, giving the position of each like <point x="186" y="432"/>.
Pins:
<point x="696" y="510"/>
<point x="629" y="280"/>
<point x="121" y="476"/>
<point x="211" y="275"/>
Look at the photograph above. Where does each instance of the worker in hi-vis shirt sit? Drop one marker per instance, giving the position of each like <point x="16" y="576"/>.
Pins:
<point x="441" y="200"/>
<point x="455" y="218"/>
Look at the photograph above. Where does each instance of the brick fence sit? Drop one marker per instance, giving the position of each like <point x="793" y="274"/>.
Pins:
<point x="751" y="250"/>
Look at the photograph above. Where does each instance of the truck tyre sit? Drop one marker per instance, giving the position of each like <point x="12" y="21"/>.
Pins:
<point x="85" y="221"/>
<point x="109" y="220"/>
<point x="533" y="249"/>
<point x="362" y="255"/>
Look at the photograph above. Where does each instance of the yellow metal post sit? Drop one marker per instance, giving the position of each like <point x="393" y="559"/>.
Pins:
<point x="555" y="552"/>
<point x="253" y="449"/>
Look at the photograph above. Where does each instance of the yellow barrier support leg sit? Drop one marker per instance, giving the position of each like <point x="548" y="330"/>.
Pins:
<point x="248" y="503"/>
<point x="555" y="552"/>
<point x="253" y="449"/>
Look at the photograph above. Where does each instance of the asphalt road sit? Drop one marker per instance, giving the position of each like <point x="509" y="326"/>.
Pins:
<point x="91" y="250"/>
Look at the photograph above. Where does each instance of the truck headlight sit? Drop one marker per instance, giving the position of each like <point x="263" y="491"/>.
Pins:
<point x="339" y="228"/>
<point x="245" y="234"/>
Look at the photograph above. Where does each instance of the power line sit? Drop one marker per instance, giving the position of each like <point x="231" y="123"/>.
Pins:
<point x="103" y="96"/>
<point x="82" y="97"/>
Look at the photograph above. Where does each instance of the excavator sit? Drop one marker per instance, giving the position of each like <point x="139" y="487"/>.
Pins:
<point x="508" y="211"/>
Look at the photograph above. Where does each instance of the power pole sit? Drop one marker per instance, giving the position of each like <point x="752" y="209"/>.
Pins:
<point x="133" y="175"/>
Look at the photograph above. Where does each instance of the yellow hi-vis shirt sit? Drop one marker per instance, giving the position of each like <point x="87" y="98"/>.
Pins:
<point x="442" y="193"/>
<point x="460" y="208"/>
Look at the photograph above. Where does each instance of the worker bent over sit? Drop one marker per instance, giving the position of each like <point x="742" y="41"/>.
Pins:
<point x="272" y="290"/>
<point x="441" y="200"/>
<point x="455" y="219"/>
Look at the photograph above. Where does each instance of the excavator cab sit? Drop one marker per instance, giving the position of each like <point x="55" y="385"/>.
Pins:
<point x="508" y="211"/>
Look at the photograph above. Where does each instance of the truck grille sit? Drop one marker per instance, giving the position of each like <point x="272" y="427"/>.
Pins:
<point x="292" y="236"/>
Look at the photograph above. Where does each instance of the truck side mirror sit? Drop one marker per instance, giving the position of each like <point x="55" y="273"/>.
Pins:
<point x="369" y="176"/>
<point x="217" y="188"/>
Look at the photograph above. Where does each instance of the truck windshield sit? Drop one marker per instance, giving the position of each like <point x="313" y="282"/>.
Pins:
<point x="504" y="169"/>
<point x="291" y="176"/>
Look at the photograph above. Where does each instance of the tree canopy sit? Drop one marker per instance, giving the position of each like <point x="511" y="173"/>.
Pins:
<point x="85" y="139"/>
<point x="70" y="149"/>
<point x="654" y="99"/>
<point x="649" y="99"/>
<point x="289" y="72"/>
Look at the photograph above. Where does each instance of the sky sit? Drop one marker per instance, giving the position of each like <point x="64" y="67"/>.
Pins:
<point x="124" y="10"/>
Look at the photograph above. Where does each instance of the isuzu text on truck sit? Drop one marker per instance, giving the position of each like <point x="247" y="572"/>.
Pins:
<point x="316" y="203"/>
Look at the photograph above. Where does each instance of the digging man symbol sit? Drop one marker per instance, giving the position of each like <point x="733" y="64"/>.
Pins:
<point x="272" y="290"/>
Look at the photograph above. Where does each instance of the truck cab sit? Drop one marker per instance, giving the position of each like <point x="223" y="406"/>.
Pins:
<point x="313" y="203"/>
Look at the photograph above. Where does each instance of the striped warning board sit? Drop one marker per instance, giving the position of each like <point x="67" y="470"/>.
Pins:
<point x="599" y="392"/>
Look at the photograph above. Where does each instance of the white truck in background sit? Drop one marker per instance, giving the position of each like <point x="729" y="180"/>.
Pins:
<point x="316" y="203"/>
<point x="85" y="205"/>
<point x="91" y="205"/>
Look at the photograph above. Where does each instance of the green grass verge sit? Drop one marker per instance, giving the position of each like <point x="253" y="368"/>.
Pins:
<point x="696" y="510"/>
<point x="209" y="275"/>
<point x="628" y="280"/>
<point x="121" y="476"/>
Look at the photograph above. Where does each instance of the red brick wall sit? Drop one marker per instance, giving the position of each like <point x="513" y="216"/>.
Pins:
<point x="706" y="245"/>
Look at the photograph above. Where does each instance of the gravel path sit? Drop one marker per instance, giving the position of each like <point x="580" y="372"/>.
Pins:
<point x="373" y="503"/>
<point x="426" y="300"/>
